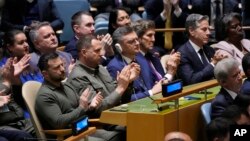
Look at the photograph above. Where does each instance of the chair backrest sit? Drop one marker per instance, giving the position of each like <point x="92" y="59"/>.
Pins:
<point x="102" y="23"/>
<point x="66" y="9"/>
<point x="206" y="112"/>
<point x="61" y="48"/>
<point x="29" y="93"/>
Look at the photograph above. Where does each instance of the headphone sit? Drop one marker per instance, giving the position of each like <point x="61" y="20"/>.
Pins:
<point x="118" y="48"/>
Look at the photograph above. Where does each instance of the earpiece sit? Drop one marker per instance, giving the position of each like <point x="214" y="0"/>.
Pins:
<point x="118" y="48"/>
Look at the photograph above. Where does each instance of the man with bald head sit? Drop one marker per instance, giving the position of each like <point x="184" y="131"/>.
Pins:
<point x="177" y="136"/>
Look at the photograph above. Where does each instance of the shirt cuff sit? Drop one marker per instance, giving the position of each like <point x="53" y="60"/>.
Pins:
<point x="212" y="64"/>
<point x="163" y="17"/>
<point x="177" y="12"/>
<point x="169" y="76"/>
<point x="24" y="28"/>
<point x="150" y="92"/>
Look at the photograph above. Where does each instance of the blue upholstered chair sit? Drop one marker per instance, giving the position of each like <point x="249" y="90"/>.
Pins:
<point x="205" y="111"/>
<point x="66" y="9"/>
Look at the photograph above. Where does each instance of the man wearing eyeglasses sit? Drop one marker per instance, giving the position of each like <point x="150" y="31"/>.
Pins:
<point x="127" y="40"/>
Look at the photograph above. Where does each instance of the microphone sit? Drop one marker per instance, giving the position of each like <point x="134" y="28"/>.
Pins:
<point x="158" y="106"/>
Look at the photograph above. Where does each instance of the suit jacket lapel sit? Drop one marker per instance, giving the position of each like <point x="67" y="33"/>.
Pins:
<point x="146" y="72"/>
<point x="194" y="55"/>
<point x="209" y="52"/>
<point x="157" y="64"/>
<point x="228" y="97"/>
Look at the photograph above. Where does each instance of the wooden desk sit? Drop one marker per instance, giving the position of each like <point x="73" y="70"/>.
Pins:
<point x="144" y="123"/>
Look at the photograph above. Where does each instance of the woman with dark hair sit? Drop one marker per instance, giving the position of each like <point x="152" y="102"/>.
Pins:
<point x="118" y="17"/>
<point x="17" y="47"/>
<point x="230" y="35"/>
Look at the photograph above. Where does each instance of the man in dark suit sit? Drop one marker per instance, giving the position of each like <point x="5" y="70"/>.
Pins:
<point x="145" y="30"/>
<point x="245" y="89"/>
<point x="186" y="7"/>
<point x="229" y="77"/>
<point x="22" y="13"/>
<point x="82" y="24"/>
<point x="126" y="38"/>
<point x="197" y="59"/>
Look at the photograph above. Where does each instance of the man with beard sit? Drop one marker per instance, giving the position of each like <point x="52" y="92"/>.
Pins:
<point x="58" y="105"/>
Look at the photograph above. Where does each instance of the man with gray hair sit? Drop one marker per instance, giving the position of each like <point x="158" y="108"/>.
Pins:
<point x="45" y="41"/>
<point x="228" y="75"/>
<point x="197" y="59"/>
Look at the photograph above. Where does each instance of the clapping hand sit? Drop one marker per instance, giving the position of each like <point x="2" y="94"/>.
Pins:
<point x="96" y="101"/>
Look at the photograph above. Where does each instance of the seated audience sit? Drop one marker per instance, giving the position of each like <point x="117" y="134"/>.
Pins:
<point x="45" y="41"/>
<point x="245" y="89"/>
<point x="82" y="24"/>
<point x="145" y="85"/>
<point x="229" y="77"/>
<point x="197" y="58"/>
<point x="219" y="129"/>
<point x="231" y="37"/>
<point x="88" y="73"/>
<point x="57" y="104"/>
<point x="177" y="136"/>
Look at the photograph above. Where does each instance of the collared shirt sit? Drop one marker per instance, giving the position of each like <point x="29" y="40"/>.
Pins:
<point x="231" y="93"/>
<point x="126" y="59"/>
<point x="58" y="107"/>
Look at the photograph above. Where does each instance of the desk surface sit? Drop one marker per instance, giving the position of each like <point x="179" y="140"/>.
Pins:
<point x="144" y="122"/>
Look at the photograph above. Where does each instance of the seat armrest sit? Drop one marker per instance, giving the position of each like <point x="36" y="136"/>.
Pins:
<point x="58" y="132"/>
<point x="81" y="135"/>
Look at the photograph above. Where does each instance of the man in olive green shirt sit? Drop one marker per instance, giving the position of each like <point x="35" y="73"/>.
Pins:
<point x="58" y="105"/>
<point x="89" y="73"/>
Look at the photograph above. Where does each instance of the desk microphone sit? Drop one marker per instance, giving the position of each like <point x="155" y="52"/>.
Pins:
<point x="158" y="107"/>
